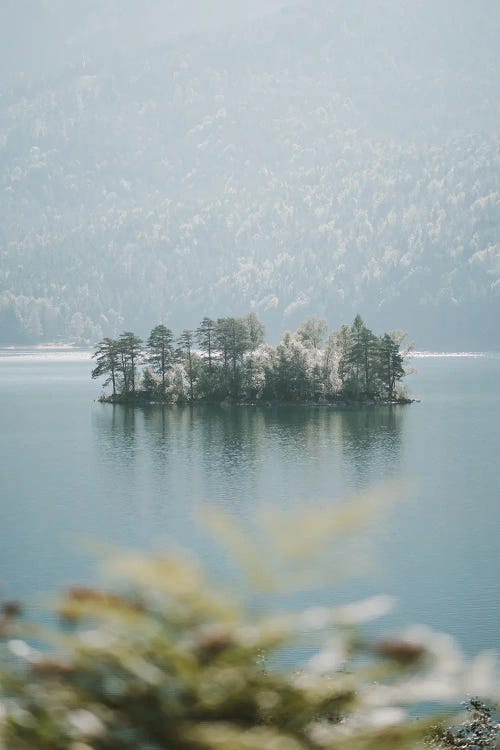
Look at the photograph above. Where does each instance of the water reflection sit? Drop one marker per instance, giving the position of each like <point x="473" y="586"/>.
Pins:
<point x="370" y="435"/>
<point x="180" y="456"/>
<point x="137" y="477"/>
<point x="116" y="426"/>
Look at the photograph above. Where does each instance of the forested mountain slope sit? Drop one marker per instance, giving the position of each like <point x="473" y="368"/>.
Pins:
<point x="320" y="158"/>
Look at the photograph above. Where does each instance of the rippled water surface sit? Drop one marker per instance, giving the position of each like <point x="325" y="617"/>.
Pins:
<point x="72" y="469"/>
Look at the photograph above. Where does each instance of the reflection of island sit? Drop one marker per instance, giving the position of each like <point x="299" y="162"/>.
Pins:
<point x="119" y="436"/>
<point x="236" y="456"/>
<point x="370" y="436"/>
<point x="233" y="365"/>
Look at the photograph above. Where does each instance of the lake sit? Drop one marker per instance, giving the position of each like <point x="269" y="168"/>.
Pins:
<point x="73" y="470"/>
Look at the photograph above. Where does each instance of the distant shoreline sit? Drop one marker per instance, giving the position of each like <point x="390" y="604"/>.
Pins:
<point x="450" y="355"/>
<point x="66" y="347"/>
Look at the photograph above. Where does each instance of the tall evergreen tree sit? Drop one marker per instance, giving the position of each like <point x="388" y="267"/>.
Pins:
<point x="358" y="364"/>
<point x="390" y="364"/>
<point x="130" y="352"/>
<point x="221" y="341"/>
<point x="233" y="338"/>
<point x="342" y="343"/>
<point x="369" y="344"/>
<point x="352" y="360"/>
<point x="160" y="352"/>
<point x="107" y="360"/>
<point x="205" y="338"/>
<point x="239" y="343"/>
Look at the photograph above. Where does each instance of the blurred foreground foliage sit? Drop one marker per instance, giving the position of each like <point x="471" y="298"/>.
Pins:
<point x="166" y="660"/>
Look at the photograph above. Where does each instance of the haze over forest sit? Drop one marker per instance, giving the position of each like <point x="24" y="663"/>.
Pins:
<point x="163" y="161"/>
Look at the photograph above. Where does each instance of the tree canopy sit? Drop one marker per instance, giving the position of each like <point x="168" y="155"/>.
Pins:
<point x="233" y="363"/>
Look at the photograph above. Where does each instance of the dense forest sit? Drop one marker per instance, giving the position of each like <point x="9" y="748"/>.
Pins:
<point x="227" y="360"/>
<point x="319" y="159"/>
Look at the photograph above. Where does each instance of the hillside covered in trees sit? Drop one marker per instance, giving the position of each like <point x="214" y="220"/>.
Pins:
<point x="304" y="159"/>
<point x="227" y="360"/>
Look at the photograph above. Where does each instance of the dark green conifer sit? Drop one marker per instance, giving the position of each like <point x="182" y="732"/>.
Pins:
<point x="107" y="360"/>
<point x="130" y="353"/>
<point x="160" y="352"/>
<point x="390" y="367"/>
<point x="205" y="335"/>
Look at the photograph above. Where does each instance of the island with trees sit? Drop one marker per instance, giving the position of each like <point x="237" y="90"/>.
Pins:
<point x="228" y="360"/>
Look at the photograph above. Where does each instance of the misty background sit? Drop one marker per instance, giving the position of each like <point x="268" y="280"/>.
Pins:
<point x="162" y="161"/>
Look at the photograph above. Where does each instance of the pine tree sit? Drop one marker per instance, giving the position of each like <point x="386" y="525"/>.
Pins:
<point x="390" y="365"/>
<point x="239" y="343"/>
<point x="130" y="353"/>
<point x="369" y="343"/>
<point x="160" y="352"/>
<point x="342" y="344"/>
<point x="232" y="342"/>
<point x="222" y="343"/>
<point x="358" y="363"/>
<point x="107" y="360"/>
<point x="205" y="337"/>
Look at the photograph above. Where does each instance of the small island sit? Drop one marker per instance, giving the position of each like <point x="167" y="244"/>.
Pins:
<point x="227" y="361"/>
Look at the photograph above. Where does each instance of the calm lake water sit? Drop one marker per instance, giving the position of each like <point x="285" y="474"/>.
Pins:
<point x="73" y="470"/>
